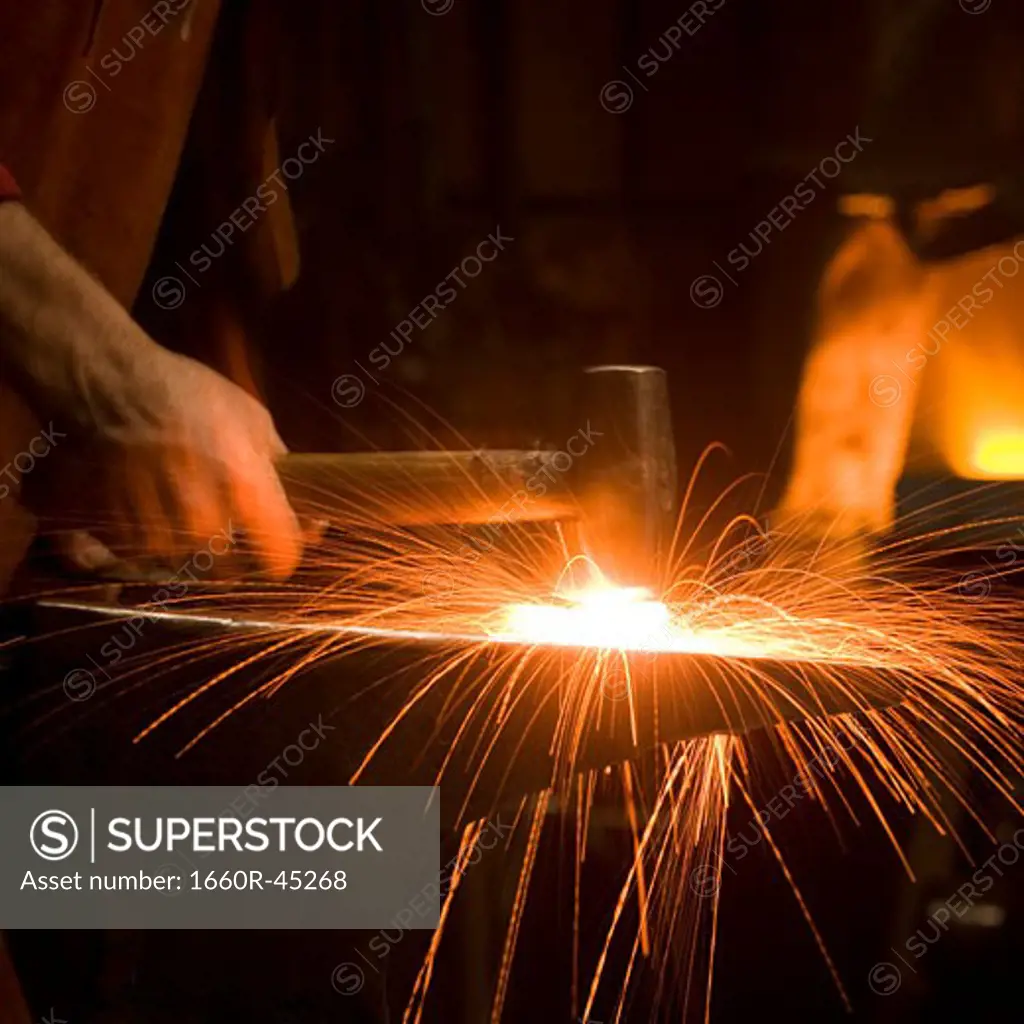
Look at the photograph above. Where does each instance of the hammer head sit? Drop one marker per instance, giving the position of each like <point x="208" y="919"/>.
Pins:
<point x="627" y="483"/>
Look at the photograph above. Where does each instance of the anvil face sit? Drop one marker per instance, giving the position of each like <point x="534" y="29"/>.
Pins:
<point x="97" y="674"/>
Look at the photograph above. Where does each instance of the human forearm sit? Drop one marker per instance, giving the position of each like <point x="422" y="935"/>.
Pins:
<point x="64" y="340"/>
<point x="161" y="451"/>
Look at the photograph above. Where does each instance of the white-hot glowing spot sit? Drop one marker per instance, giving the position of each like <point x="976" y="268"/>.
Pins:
<point x="627" y="618"/>
<point x="607" y="617"/>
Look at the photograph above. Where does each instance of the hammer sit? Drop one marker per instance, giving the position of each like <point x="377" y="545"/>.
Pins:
<point x="621" y="492"/>
<point x="616" y="499"/>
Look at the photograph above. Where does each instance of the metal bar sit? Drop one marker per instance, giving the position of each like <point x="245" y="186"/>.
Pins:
<point x="672" y="697"/>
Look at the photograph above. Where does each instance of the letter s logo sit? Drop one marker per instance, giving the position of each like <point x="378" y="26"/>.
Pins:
<point x="54" y="835"/>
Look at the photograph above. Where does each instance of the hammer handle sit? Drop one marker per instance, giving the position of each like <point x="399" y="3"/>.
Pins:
<point x="420" y="488"/>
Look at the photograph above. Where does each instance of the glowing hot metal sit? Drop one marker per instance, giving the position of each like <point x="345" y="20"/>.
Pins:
<point x="606" y="617"/>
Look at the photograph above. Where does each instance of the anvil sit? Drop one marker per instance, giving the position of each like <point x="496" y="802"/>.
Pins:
<point x="71" y="716"/>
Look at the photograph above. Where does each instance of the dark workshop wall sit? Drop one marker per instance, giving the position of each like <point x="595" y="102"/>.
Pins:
<point x="448" y="125"/>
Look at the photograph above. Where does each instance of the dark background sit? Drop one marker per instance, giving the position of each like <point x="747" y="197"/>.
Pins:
<point x="447" y="126"/>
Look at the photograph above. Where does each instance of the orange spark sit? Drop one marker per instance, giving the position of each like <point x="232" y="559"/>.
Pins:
<point x="524" y="619"/>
